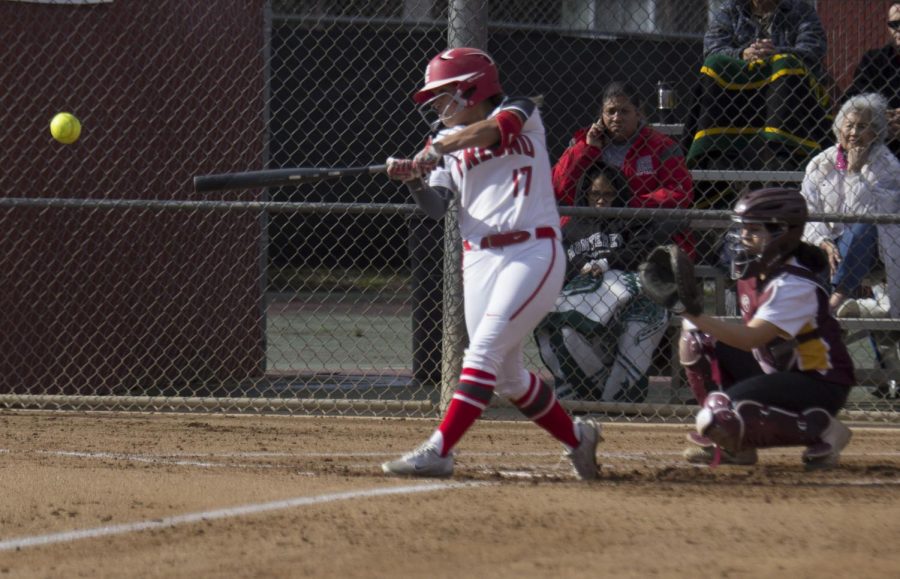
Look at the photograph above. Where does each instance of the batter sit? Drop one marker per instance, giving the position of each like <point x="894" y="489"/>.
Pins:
<point x="491" y="155"/>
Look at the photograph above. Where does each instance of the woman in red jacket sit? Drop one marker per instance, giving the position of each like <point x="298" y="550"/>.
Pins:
<point x="651" y="162"/>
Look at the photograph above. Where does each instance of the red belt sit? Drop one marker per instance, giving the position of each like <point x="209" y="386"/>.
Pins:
<point x="511" y="238"/>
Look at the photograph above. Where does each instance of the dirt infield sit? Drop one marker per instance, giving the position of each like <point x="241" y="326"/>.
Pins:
<point x="118" y="495"/>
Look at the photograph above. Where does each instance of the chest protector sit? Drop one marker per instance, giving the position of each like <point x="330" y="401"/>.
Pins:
<point x="784" y="355"/>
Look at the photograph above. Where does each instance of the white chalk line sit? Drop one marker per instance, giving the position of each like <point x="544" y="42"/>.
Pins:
<point x="531" y="475"/>
<point x="157" y="460"/>
<point x="178" y="459"/>
<point x="508" y="471"/>
<point x="549" y="471"/>
<point x="152" y="459"/>
<point x="232" y="512"/>
<point x="345" y="454"/>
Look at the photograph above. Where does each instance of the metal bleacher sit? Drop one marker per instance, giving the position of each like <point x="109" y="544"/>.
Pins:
<point x="747" y="176"/>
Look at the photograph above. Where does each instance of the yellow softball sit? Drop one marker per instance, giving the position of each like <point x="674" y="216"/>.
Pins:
<point x="65" y="128"/>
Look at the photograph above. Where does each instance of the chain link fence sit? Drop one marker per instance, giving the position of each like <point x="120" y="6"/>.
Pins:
<point x="122" y="288"/>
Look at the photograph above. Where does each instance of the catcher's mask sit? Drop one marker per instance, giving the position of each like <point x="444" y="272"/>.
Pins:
<point x="783" y="212"/>
<point x="474" y="74"/>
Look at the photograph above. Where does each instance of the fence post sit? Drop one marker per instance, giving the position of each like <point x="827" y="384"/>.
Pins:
<point x="426" y="252"/>
<point x="466" y="26"/>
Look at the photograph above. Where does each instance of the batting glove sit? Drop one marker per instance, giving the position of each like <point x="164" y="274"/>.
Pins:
<point x="402" y="169"/>
<point x="429" y="157"/>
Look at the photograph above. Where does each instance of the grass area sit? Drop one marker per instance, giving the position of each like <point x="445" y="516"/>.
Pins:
<point x="304" y="280"/>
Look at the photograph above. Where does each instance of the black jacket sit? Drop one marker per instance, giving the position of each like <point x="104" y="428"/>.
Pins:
<point x="879" y="71"/>
<point x="623" y="242"/>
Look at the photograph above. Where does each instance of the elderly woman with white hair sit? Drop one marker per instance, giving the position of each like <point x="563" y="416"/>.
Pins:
<point x="857" y="176"/>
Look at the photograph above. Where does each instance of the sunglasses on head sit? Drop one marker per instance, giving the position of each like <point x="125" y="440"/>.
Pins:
<point x="894" y="24"/>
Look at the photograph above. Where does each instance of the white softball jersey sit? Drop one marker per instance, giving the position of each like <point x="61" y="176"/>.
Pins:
<point x="506" y="191"/>
<point x="507" y="290"/>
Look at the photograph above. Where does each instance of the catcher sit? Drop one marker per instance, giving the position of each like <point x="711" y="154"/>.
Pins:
<point x="800" y="373"/>
<point x="600" y="338"/>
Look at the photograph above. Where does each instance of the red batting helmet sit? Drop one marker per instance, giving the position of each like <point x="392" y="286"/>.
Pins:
<point x="470" y="67"/>
<point x="783" y="211"/>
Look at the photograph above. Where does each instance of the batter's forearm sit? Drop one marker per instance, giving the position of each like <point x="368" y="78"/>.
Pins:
<point x="484" y="133"/>
<point x="433" y="201"/>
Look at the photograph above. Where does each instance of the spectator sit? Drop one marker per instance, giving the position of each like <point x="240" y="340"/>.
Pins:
<point x="652" y="163"/>
<point x="859" y="175"/>
<point x="760" y="104"/>
<point x="879" y="71"/>
<point x="600" y="338"/>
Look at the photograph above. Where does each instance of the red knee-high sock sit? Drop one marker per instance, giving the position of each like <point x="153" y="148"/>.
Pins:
<point x="540" y="405"/>
<point x="472" y="396"/>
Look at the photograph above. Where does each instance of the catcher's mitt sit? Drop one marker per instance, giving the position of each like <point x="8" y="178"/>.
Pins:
<point x="667" y="278"/>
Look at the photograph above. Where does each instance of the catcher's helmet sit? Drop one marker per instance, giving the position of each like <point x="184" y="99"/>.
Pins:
<point x="783" y="212"/>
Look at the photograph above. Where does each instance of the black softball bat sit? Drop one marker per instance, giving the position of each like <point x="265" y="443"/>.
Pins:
<point x="278" y="177"/>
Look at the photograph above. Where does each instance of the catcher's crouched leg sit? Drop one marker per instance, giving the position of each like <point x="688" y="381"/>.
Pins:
<point x="751" y="425"/>
<point x="696" y="353"/>
<point x="719" y="427"/>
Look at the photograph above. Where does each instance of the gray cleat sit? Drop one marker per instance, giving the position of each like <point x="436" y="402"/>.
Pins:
<point x="424" y="461"/>
<point x="584" y="457"/>
<point x="827" y="453"/>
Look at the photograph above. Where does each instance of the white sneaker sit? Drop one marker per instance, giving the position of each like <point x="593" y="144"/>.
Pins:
<point x="584" y="456"/>
<point x="849" y="309"/>
<point x="827" y="453"/>
<point x="862" y="308"/>
<point x="872" y="308"/>
<point x="424" y="461"/>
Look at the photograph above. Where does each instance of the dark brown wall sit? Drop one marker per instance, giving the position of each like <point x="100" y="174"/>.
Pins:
<point x="853" y="26"/>
<point x="94" y="300"/>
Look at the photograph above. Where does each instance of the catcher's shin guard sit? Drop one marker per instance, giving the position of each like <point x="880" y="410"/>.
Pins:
<point x="749" y="424"/>
<point x="718" y="421"/>
<point x="697" y="354"/>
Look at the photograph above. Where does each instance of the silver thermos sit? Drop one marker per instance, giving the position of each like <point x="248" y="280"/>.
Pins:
<point x="665" y="100"/>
